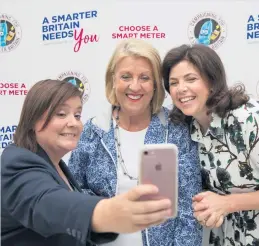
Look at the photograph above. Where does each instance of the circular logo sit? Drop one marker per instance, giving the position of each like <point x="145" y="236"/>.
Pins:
<point x="10" y="33"/>
<point x="207" y="28"/>
<point x="79" y="80"/>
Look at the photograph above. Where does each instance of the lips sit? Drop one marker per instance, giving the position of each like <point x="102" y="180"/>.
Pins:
<point x="68" y="134"/>
<point x="134" y="96"/>
<point x="186" y="99"/>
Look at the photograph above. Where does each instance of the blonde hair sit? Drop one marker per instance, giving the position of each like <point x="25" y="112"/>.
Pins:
<point x="136" y="48"/>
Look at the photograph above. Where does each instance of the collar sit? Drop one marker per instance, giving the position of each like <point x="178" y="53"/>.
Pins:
<point x="216" y="129"/>
<point x="104" y="123"/>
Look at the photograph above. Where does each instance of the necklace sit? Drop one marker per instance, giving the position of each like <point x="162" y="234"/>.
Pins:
<point x="118" y="145"/>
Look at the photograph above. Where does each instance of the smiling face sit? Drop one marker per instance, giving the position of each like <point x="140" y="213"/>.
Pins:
<point x="188" y="90"/>
<point x="134" y="85"/>
<point x="62" y="133"/>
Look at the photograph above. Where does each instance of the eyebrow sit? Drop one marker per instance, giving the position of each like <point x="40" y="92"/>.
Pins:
<point x="67" y="106"/>
<point x="127" y="71"/>
<point x="185" y="76"/>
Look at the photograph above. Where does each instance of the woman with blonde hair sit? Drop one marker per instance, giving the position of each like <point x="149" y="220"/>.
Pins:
<point x="106" y="160"/>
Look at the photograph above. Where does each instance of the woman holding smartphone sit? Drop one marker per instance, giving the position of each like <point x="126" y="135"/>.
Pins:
<point x="225" y="123"/>
<point x="106" y="161"/>
<point x="41" y="203"/>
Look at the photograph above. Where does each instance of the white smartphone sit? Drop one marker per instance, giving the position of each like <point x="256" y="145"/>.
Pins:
<point x="159" y="166"/>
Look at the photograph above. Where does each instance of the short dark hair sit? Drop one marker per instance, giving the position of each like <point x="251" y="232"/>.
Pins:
<point x="44" y="95"/>
<point x="221" y="99"/>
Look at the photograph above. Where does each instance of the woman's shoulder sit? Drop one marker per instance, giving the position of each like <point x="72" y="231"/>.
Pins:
<point x="99" y="123"/>
<point x="243" y="112"/>
<point x="13" y="151"/>
<point x="20" y="157"/>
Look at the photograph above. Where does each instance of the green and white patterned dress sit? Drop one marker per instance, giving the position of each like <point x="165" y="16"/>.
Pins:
<point x="229" y="157"/>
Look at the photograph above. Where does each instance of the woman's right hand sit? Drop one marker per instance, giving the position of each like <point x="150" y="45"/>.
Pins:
<point x="125" y="213"/>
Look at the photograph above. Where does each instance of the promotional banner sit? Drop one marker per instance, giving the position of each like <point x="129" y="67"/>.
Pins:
<point x="73" y="41"/>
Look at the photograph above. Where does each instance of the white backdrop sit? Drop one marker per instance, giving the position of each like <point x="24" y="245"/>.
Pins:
<point x="32" y="47"/>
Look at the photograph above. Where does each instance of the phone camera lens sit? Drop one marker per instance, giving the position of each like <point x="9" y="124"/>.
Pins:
<point x="146" y="153"/>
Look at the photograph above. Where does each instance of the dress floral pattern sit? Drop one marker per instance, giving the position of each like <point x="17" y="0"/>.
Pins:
<point x="229" y="157"/>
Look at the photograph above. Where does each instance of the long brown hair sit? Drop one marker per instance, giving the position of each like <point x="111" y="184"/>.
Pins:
<point x="221" y="99"/>
<point x="44" y="95"/>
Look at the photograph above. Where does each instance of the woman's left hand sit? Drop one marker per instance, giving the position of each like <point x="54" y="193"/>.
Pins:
<point x="210" y="208"/>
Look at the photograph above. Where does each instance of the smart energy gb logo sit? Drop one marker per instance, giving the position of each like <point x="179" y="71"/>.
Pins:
<point x="207" y="28"/>
<point x="10" y="33"/>
<point x="69" y="27"/>
<point x="79" y="80"/>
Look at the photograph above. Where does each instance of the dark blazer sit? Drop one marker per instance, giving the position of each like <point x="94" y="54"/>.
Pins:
<point x="38" y="208"/>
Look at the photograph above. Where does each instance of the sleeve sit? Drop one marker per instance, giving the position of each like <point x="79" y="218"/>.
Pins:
<point x="251" y="138"/>
<point x="33" y="197"/>
<point x="187" y="232"/>
<point x="79" y="158"/>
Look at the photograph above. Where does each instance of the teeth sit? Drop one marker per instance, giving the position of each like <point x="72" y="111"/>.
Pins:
<point x="134" y="97"/>
<point x="186" y="99"/>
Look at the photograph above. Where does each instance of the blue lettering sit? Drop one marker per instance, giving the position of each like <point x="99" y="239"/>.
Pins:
<point x="44" y="28"/>
<point x="61" y="26"/>
<point x="45" y="37"/>
<point x="57" y="35"/>
<point x="249" y="35"/>
<point x="252" y="35"/>
<point x="66" y="26"/>
<point x="254" y="26"/>
<point x="45" y="20"/>
<point x="52" y="28"/>
<point x="249" y="27"/>
<point x="251" y="18"/>
<point x="76" y="24"/>
<point x="69" y="18"/>
<point x="54" y="19"/>
<point x="75" y="16"/>
<point x="70" y="34"/>
<point x="6" y="137"/>
<point x="94" y="13"/>
<point x="52" y="36"/>
<point x="5" y="144"/>
<point x="8" y="129"/>
<point x="64" y="34"/>
<point x="61" y="18"/>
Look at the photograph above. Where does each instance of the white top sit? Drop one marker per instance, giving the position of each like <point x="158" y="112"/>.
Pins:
<point x="229" y="158"/>
<point x="131" y="143"/>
